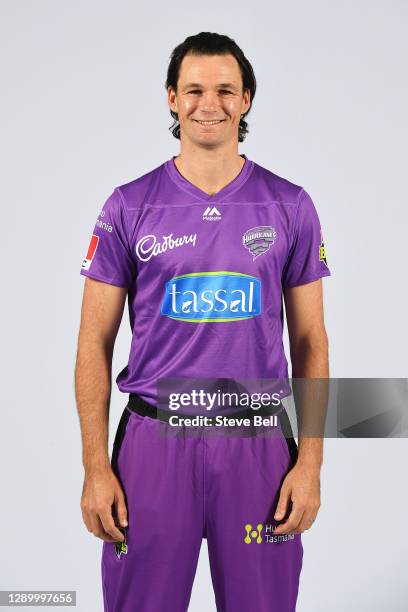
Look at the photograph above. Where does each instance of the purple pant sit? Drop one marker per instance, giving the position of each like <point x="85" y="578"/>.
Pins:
<point x="182" y="485"/>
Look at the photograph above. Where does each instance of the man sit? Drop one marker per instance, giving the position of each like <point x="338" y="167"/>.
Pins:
<point x="209" y="224"/>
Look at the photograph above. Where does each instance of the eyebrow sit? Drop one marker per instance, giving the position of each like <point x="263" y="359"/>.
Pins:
<point x="226" y="85"/>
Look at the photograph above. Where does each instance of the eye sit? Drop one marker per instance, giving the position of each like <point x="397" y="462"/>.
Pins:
<point x="194" y="91"/>
<point x="225" y="91"/>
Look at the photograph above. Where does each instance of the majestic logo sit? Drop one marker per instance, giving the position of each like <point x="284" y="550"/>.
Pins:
<point x="259" y="239"/>
<point x="86" y="263"/>
<point x="211" y="214"/>
<point x="212" y="297"/>
<point x="148" y="246"/>
<point x="121" y="548"/>
<point x="322" y="250"/>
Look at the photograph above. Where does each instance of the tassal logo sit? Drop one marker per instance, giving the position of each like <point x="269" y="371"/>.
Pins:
<point x="212" y="297"/>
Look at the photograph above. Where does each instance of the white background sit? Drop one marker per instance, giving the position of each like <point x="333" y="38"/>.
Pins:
<point x="84" y="110"/>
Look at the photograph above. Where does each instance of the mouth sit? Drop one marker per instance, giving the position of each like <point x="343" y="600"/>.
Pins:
<point x="213" y="122"/>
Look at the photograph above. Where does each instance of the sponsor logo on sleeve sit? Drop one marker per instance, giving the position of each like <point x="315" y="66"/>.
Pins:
<point x="86" y="263"/>
<point x="258" y="240"/>
<point x="104" y="225"/>
<point x="322" y="250"/>
<point x="212" y="297"/>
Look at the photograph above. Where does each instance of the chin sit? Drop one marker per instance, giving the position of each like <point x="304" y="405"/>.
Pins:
<point x="209" y="142"/>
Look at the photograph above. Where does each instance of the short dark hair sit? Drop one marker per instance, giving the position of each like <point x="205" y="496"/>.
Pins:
<point x="210" y="43"/>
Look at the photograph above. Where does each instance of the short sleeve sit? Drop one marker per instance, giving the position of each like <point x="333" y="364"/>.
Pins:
<point x="108" y="257"/>
<point x="307" y="259"/>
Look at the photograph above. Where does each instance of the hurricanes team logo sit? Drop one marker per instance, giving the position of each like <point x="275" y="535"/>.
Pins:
<point x="259" y="239"/>
<point x="322" y="250"/>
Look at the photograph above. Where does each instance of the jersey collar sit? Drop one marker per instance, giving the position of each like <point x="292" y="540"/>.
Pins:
<point x="196" y="192"/>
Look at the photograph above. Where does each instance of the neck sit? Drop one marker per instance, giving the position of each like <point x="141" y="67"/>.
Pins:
<point x="210" y="170"/>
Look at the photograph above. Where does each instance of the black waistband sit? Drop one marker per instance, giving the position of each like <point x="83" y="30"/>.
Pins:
<point x="143" y="408"/>
<point x="139" y="405"/>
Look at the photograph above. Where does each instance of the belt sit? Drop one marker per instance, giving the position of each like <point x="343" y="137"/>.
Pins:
<point x="143" y="408"/>
<point x="139" y="405"/>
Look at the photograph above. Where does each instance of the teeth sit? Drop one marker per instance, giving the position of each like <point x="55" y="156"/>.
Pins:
<point x="209" y="122"/>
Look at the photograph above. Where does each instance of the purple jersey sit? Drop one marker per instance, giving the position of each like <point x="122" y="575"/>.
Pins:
<point x="205" y="273"/>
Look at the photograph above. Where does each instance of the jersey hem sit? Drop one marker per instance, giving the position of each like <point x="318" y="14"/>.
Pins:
<point x="308" y="279"/>
<point x="98" y="277"/>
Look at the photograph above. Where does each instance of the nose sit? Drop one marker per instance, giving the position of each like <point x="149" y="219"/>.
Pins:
<point x="209" y="102"/>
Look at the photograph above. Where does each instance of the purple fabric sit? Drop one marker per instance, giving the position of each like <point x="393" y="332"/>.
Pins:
<point x="182" y="485"/>
<point x="260" y="233"/>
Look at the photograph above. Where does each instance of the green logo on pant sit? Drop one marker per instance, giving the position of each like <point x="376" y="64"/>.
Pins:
<point x="121" y="547"/>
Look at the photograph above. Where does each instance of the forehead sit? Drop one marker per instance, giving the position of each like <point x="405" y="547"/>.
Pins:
<point x="209" y="69"/>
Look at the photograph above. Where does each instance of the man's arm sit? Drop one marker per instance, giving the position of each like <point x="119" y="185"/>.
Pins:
<point x="101" y="314"/>
<point x="309" y="356"/>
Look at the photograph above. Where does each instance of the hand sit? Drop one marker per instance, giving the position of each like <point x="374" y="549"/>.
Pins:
<point x="302" y="487"/>
<point x="101" y="492"/>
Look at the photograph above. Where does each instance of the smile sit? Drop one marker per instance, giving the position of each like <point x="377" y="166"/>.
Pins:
<point x="209" y="122"/>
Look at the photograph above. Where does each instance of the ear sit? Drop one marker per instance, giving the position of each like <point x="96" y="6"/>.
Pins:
<point x="246" y="101"/>
<point x="172" y="99"/>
